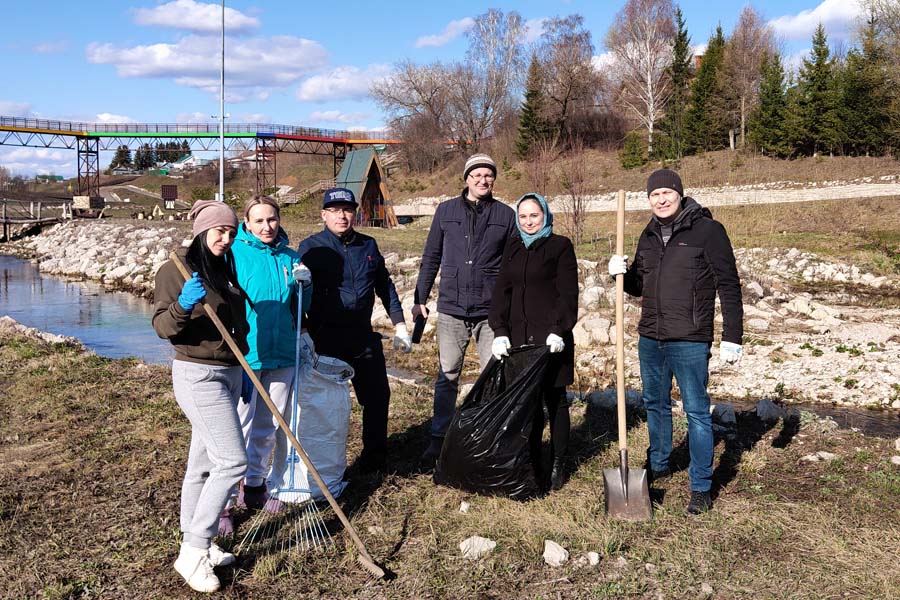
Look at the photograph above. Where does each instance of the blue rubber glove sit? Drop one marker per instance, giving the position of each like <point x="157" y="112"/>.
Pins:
<point x="192" y="293"/>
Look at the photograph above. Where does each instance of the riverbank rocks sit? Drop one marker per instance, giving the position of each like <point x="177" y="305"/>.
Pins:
<point x="8" y="324"/>
<point x="121" y="256"/>
<point x="836" y="344"/>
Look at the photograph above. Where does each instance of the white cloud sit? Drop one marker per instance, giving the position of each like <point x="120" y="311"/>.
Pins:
<point x="534" y="29"/>
<point x="56" y="47"/>
<point x="342" y="83"/>
<point x="29" y="161"/>
<point x="255" y="118"/>
<point x="14" y="109"/>
<point x="453" y="30"/>
<point x="199" y="17"/>
<point x="603" y="62"/>
<point x="111" y="118"/>
<point x="194" y="61"/>
<point x="699" y="49"/>
<point x="336" y="116"/>
<point x="194" y="117"/>
<point x="836" y="16"/>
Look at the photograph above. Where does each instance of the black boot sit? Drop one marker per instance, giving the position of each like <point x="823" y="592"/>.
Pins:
<point x="558" y="474"/>
<point x="700" y="503"/>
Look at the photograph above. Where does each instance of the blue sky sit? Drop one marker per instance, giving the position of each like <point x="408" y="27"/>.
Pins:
<point x="287" y="62"/>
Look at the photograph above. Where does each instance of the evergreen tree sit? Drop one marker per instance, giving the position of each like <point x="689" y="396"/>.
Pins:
<point x="703" y="124"/>
<point x="767" y="124"/>
<point x="866" y="97"/>
<point x="122" y="158"/>
<point x="185" y="148"/>
<point x="533" y="126"/>
<point x="818" y="99"/>
<point x="672" y="125"/>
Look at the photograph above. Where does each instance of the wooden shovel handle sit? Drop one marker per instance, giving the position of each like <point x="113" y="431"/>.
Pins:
<point x="620" y="325"/>
<point x="261" y="390"/>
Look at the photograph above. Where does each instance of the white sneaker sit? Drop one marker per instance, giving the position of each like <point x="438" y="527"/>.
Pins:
<point x="218" y="557"/>
<point x="193" y="564"/>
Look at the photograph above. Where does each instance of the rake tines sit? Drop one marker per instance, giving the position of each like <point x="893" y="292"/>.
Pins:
<point x="286" y="526"/>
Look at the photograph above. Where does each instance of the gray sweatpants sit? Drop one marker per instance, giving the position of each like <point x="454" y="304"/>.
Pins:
<point x="208" y="396"/>
<point x="258" y="424"/>
<point x="453" y="334"/>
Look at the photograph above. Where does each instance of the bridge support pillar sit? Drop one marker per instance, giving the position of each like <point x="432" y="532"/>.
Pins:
<point x="339" y="153"/>
<point x="89" y="167"/>
<point x="265" y="164"/>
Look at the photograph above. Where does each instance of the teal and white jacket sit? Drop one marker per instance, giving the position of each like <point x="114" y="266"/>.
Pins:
<point x="264" y="273"/>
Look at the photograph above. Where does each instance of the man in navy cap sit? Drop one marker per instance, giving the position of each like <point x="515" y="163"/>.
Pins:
<point x="348" y="271"/>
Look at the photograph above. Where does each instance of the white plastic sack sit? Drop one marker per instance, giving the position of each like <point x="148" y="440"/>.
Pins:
<point x="321" y="426"/>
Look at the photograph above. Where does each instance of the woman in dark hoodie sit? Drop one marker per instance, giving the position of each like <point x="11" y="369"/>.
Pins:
<point x="206" y="376"/>
<point x="535" y="301"/>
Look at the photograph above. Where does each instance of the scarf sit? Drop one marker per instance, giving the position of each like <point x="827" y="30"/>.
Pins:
<point x="545" y="231"/>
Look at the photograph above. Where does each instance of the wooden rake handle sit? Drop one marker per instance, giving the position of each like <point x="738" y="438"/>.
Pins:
<point x="620" y="325"/>
<point x="365" y="558"/>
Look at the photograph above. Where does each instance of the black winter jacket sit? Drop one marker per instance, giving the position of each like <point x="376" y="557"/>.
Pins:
<point x="679" y="281"/>
<point x="348" y="272"/>
<point x="466" y="244"/>
<point x="536" y="295"/>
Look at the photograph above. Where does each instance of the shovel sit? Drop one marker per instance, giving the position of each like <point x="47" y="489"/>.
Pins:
<point x="625" y="490"/>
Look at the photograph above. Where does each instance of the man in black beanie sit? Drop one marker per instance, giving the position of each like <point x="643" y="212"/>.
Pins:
<point x="683" y="259"/>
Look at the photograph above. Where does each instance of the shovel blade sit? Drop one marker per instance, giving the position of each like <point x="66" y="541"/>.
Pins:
<point x="628" y="500"/>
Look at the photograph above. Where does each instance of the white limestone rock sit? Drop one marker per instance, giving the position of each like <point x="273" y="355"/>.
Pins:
<point x="476" y="546"/>
<point x="554" y="554"/>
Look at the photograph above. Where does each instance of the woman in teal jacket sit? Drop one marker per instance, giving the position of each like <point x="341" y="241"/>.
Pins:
<point x="270" y="274"/>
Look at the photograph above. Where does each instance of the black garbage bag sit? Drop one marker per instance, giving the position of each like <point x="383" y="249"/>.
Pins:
<point x="486" y="449"/>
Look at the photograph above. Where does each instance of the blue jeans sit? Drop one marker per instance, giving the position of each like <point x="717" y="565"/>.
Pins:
<point x="689" y="363"/>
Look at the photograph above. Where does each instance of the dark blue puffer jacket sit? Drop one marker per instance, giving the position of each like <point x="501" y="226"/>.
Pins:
<point x="348" y="272"/>
<point x="466" y="243"/>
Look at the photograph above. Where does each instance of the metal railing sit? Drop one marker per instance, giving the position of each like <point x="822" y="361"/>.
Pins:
<point x="125" y="128"/>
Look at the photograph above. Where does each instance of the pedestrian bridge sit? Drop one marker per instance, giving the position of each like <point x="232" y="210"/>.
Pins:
<point x="264" y="139"/>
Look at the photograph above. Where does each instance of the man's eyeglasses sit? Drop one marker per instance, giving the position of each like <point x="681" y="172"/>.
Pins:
<point x="336" y="210"/>
<point x="487" y="178"/>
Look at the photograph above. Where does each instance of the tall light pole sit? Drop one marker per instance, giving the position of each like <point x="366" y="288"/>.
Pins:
<point x="222" y="114"/>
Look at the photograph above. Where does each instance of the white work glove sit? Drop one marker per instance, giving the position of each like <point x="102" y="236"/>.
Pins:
<point x="402" y="339"/>
<point x="302" y="275"/>
<point x="556" y="343"/>
<point x="618" y="264"/>
<point x="730" y="353"/>
<point x="500" y="347"/>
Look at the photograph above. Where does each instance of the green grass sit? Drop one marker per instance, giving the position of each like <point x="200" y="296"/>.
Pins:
<point x="92" y="452"/>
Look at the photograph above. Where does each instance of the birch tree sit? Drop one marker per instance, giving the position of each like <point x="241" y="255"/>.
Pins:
<point x="745" y="51"/>
<point x="640" y="40"/>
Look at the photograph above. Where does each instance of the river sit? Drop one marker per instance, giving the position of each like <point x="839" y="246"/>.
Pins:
<point x="112" y="324"/>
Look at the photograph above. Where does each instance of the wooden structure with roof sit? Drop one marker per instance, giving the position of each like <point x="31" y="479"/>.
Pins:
<point x="363" y="174"/>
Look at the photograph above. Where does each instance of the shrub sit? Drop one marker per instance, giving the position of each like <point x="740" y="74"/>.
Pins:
<point x="634" y="151"/>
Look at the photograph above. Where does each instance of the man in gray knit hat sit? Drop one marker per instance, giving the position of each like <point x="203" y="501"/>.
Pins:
<point x="465" y="242"/>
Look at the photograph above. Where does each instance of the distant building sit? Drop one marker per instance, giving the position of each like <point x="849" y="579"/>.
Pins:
<point x="48" y="178"/>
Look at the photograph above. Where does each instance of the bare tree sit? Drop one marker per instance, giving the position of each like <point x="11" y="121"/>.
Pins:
<point x="573" y="179"/>
<point x="487" y="85"/>
<point x="745" y="51"/>
<point x="414" y="90"/>
<point x="568" y="77"/>
<point x="540" y="167"/>
<point x="641" y="42"/>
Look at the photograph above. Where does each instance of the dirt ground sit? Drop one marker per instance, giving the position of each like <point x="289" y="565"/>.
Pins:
<point x="92" y="452"/>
